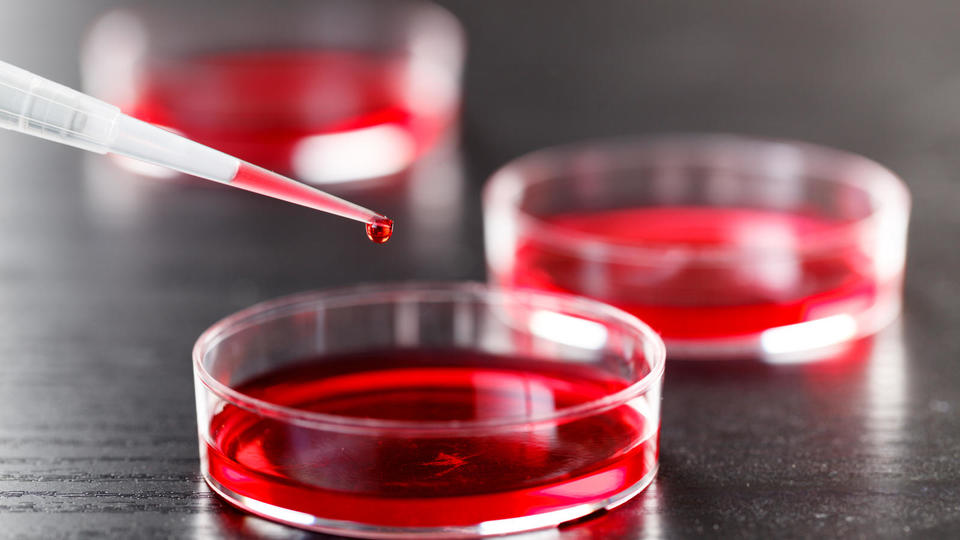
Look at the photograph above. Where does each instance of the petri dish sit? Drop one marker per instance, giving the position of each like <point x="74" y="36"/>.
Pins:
<point x="428" y="409"/>
<point x="727" y="246"/>
<point x="327" y="91"/>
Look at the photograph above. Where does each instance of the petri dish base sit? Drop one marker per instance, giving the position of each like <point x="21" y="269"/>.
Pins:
<point x="727" y="246"/>
<point x="428" y="410"/>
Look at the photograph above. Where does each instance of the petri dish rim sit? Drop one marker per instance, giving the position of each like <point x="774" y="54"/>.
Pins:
<point x="886" y="192"/>
<point x="654" y="355"/>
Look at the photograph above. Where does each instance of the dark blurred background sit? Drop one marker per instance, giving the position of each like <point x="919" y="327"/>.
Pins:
<point x="877" y="78"/>
<point x="104" y="287"/>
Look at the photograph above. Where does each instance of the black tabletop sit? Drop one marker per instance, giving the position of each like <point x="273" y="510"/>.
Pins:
<point x="107" y="278"/>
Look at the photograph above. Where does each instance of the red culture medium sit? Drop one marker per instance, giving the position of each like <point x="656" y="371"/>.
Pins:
<point x="685" y="297"/>
<point x="459" y="477"/>
<point x="258" y="105"/>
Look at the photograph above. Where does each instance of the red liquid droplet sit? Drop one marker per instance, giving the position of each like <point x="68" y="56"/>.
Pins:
<point x="380" y="229"/>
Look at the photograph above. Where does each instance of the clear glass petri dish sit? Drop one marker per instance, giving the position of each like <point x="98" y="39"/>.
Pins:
<point x="328" y="91"/>
<point x="418" y="410"/>
<point x="727" y="246"/>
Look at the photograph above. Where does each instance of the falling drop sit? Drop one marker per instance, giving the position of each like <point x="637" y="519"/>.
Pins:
<point x="380" y="229"/>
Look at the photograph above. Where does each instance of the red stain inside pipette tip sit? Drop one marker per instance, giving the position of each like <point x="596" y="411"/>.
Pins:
<point x="379" y="229"/>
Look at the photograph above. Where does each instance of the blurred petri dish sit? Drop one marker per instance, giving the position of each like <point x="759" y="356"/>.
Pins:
<point x="328" y="91"/>
<point x="420" y="410"/>
<point x="727" y="246"/>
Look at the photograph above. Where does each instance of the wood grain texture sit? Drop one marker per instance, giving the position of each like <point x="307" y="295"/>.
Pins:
<point x="106" y="279"/>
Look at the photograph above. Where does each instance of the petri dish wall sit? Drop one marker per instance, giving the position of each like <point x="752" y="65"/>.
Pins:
<point x="727" y="246"/>
<point x="328" y="91"/>
<point x="419" y="410"/>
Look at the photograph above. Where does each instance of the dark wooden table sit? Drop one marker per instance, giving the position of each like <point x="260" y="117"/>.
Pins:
<point x="106" y="279"/>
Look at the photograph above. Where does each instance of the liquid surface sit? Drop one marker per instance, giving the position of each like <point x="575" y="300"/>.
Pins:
<point x="319" y="115"/>
<point x="410" y="480"/>
<point x="685" y="297"/>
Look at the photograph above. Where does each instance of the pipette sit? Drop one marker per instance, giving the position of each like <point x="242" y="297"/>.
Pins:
<point x="36" y="106"/>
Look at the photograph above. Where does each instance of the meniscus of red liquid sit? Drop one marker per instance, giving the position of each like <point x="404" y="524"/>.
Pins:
<point x="379" y="229"/>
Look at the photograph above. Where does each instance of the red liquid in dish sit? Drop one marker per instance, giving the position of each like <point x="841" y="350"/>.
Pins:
<point x="259" y="105"/>
<point x="410" y="480"/>
<point x="685" y="297"/>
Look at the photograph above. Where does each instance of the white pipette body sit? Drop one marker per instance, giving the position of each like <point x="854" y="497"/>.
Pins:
<point x="36" y="106"/>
